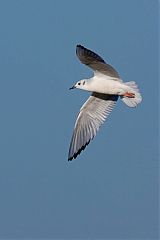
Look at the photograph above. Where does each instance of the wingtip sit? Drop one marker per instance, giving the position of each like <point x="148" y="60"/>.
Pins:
<point x="84" y="53"/>
<point x="70" y="159"/>
<point x="80" y="46"/>
<point x="78" y="152"/>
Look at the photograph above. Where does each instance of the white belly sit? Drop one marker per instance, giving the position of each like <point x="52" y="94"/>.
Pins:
<point x="107" y="86"/>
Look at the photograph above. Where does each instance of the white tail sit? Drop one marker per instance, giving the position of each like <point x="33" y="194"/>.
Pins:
<point x="129" y="101"/>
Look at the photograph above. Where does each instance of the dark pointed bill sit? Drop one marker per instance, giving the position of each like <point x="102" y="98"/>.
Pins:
<point x="72" y="87"/>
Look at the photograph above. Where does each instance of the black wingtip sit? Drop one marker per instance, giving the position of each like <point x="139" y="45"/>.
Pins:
<point x="79" y="45"/>
<point x="79" y="151"/>
<point x="82" y="51"/>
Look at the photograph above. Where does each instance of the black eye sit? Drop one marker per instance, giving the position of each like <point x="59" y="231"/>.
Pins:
<point x="79" y="83"/>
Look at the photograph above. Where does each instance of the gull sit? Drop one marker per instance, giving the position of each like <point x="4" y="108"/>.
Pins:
<point x="106" y="87"/>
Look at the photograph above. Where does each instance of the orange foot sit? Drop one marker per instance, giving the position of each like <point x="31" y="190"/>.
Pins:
<point x="129" y="95"/>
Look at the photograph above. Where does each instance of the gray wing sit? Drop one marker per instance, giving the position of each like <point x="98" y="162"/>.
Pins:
<point x="91" y="116"/>
<point x="95" y="62"/>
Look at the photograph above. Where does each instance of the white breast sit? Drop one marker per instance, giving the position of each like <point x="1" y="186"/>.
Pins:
<point x="106" y="85"/>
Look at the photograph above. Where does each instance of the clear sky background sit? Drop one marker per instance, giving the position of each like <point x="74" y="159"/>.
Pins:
<point x="111" y="190"/>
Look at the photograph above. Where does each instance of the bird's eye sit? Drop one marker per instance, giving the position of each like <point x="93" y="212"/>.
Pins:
<point x="79" y="83"/>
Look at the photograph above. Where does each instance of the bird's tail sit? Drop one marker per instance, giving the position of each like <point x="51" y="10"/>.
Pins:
<point x="133" y="98"/>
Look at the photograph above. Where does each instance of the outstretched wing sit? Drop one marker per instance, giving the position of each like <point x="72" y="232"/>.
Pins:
<point x="91" y="116"/>
<point x="95" y="62"/>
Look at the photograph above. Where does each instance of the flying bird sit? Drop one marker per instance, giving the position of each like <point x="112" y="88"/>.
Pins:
<point x="106" y="86"/>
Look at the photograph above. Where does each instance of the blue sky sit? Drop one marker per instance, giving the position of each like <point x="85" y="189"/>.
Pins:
<point x="111" y="190"/>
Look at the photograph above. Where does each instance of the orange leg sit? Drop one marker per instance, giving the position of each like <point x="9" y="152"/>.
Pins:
<point x="129" y="95"/>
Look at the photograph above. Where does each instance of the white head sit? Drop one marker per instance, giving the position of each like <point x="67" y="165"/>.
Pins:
<point x="82" y="84"/>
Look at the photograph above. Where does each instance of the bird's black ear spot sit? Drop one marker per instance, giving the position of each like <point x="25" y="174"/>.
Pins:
<point x="83" y="82"/>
